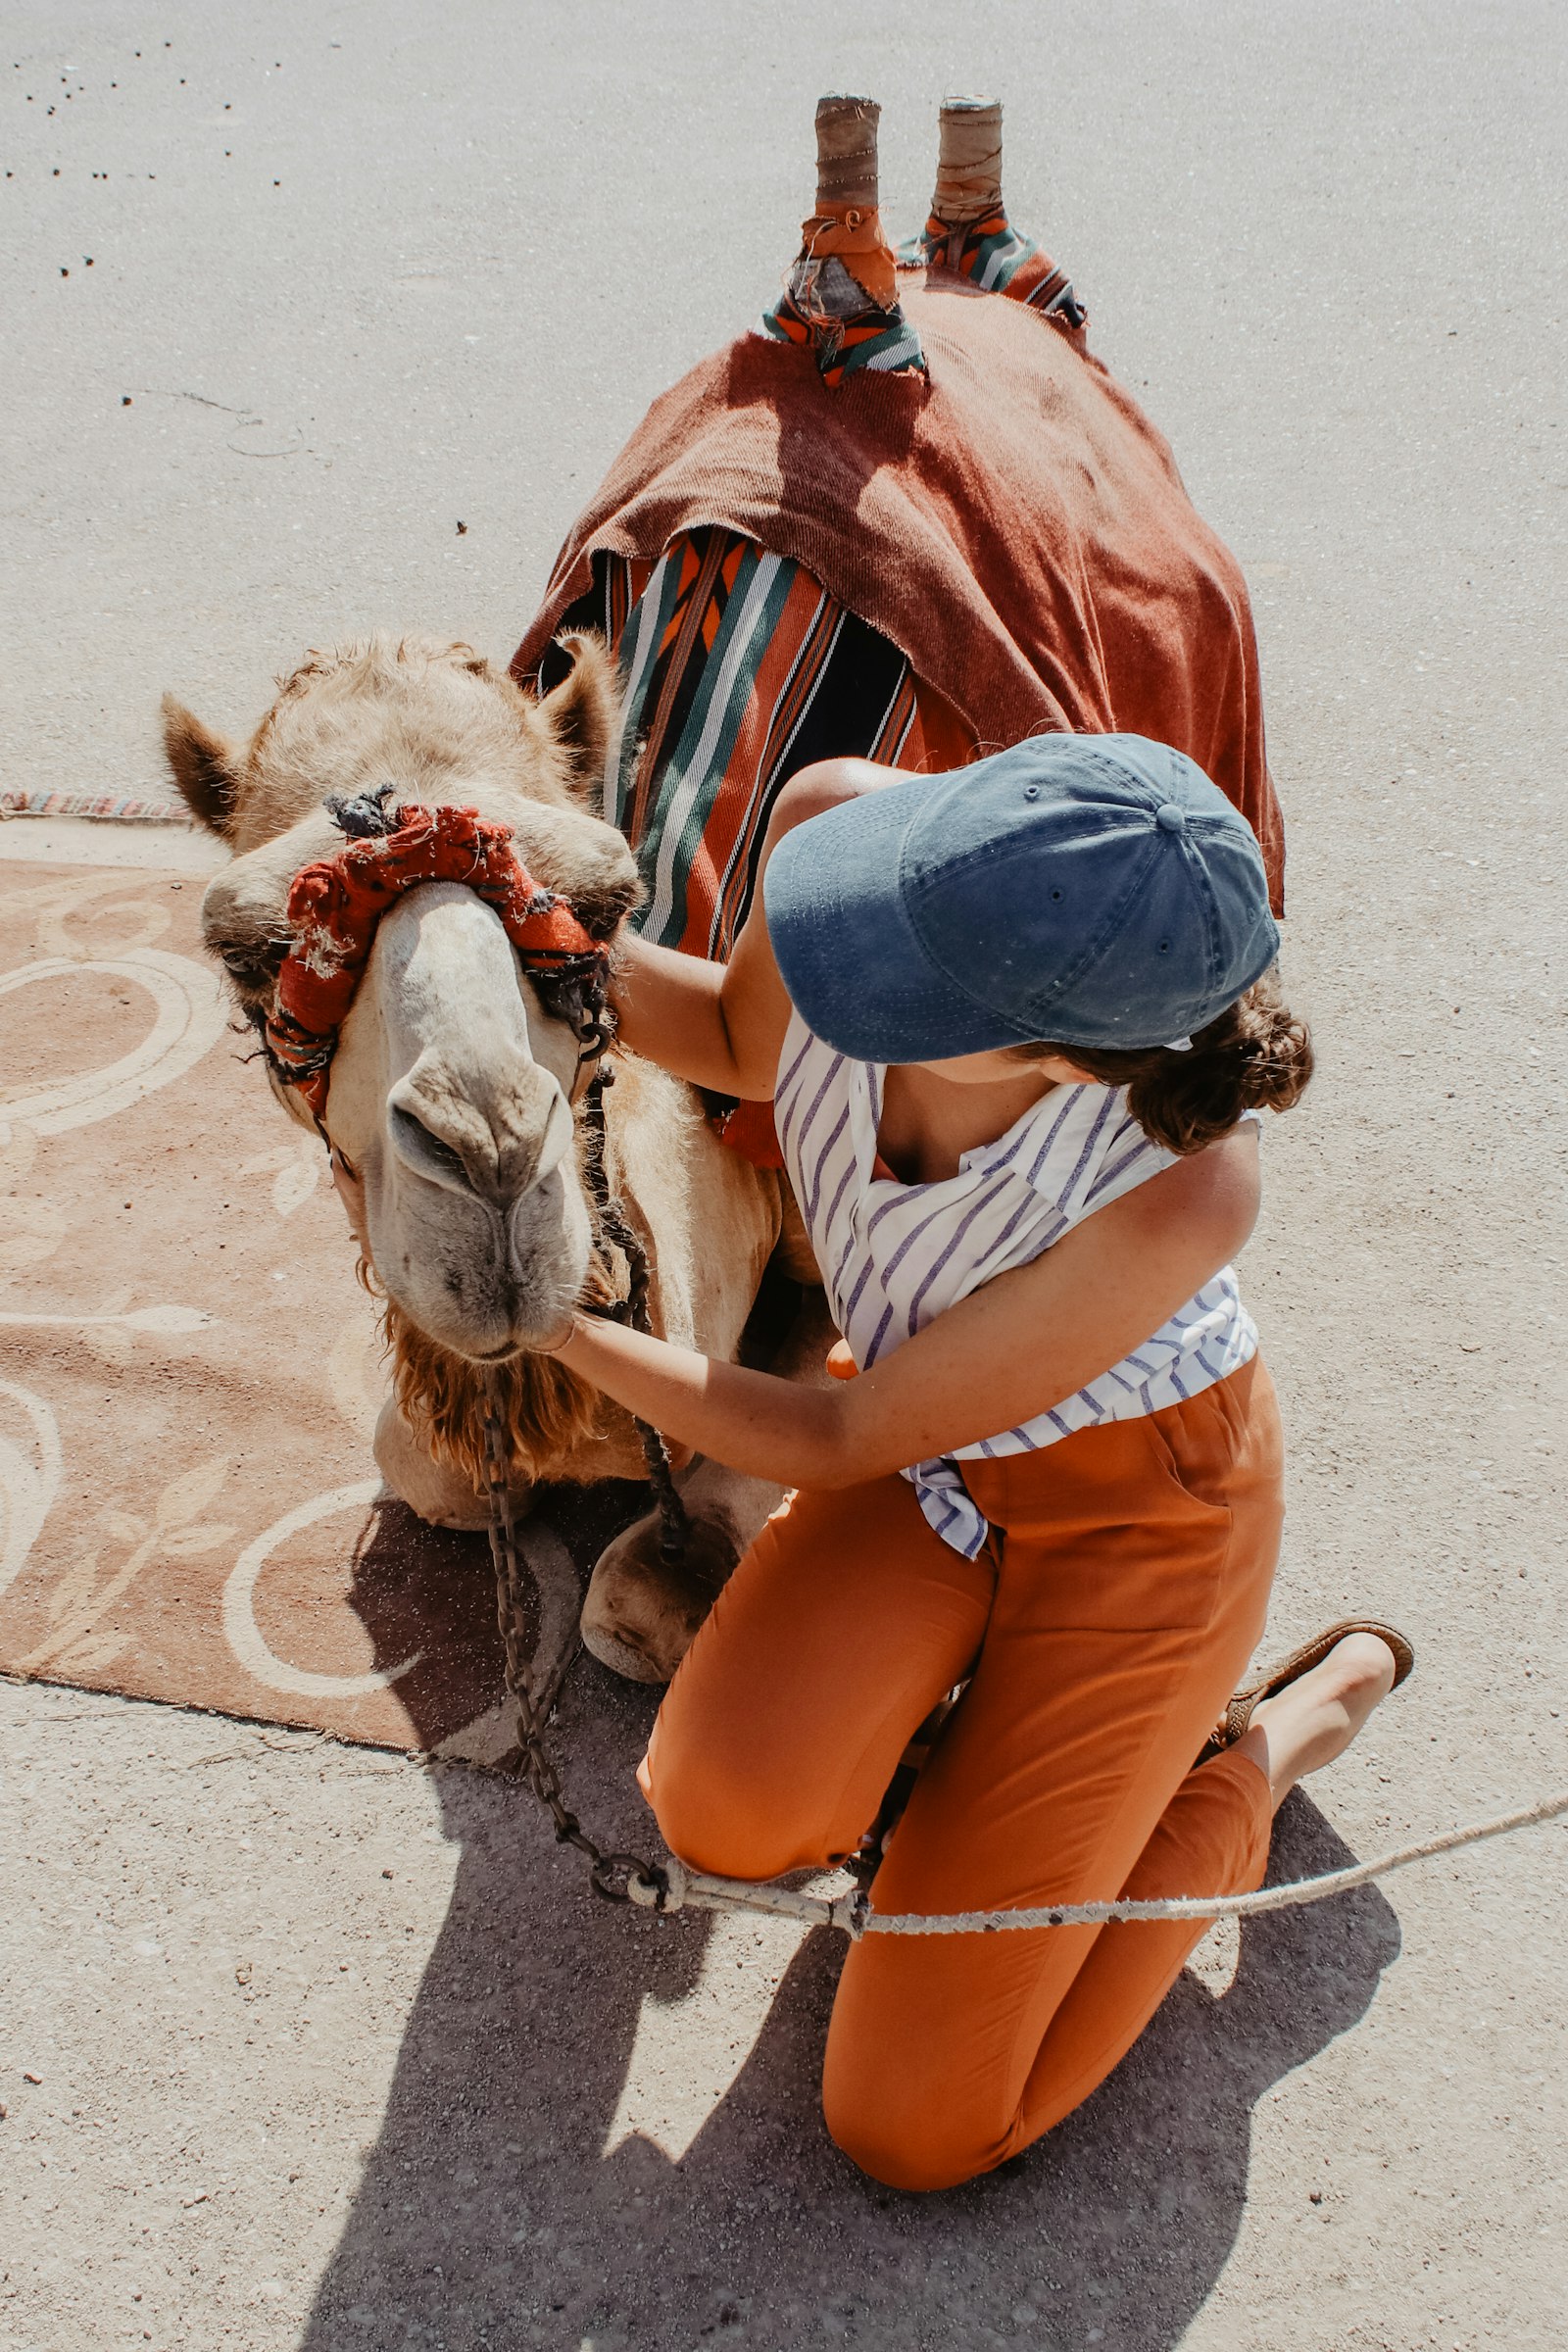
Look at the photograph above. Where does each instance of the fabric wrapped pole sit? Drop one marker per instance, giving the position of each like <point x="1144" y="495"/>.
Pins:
<point x="336" y="904"/>
<point x="968" y="230"/>
<point x="1011" y="522"/>
<point x="968" y="161"/>
<point x="846" y="223"/>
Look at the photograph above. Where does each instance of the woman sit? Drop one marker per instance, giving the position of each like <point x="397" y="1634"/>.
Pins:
<point x="1018" y="1024"/>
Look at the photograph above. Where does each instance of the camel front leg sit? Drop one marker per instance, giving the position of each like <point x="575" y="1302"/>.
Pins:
<point x="642" y="1611"/>
<point x="436" y="1491"/>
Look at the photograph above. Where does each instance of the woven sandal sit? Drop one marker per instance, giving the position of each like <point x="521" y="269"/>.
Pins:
<point x="1237" y="1718"/>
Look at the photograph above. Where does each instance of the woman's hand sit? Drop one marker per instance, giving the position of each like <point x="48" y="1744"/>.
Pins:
<point x="1007" y="1353"/>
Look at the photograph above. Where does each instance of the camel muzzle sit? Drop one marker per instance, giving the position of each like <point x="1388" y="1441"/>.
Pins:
<point x="494" y="1133"/>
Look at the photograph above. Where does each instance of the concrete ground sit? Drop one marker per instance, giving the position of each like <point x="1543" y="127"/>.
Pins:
<point x="303" y="2046"/>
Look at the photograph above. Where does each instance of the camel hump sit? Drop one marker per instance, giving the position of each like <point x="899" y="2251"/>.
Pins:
<point x="1010" y="522"/>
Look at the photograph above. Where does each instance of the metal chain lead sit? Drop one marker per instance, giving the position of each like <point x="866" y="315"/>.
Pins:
<point x="611" y="1875"/>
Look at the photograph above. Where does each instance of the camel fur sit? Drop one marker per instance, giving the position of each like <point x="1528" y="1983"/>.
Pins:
<point x="453" y="1090"/>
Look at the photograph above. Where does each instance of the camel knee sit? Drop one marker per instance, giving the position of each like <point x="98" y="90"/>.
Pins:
<point x="433" y="1491"/>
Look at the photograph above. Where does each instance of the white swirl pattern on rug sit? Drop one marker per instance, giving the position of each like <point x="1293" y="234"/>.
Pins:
<point x="30" y="1479"/>
<point x="245" y="1638"/>
<point x="190" y="1015"/>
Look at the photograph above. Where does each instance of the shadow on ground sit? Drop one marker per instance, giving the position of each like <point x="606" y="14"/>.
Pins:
<point x="490" y="2214"/>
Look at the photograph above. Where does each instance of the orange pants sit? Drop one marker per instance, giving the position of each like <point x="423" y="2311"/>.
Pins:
<point x="1131" y="1574"/>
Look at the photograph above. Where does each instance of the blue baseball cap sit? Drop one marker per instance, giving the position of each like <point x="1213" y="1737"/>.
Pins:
<point x="1091" y="890"/>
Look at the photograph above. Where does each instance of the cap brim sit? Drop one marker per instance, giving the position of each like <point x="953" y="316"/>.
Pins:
<point x="855" y="971"/>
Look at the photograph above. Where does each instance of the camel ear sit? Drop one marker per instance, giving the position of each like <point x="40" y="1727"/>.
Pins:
<point x="205" y="769"/>
<point x="583" y="712"/>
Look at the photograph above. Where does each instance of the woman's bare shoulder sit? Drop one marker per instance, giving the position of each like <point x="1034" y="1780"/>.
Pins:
<point x="826" y="784"/>
<point x="1219" y="1187"/>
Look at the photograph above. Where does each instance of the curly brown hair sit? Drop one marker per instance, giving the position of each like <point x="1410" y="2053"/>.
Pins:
<point x="1257" y="1056"/>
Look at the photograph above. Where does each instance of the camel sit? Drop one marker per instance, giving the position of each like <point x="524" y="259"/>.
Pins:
<point x="452" y="1096"/>
<point x="910" y="517"/>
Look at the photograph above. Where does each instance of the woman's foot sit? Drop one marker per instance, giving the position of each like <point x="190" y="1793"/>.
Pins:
<point x="1313" y="1720"/>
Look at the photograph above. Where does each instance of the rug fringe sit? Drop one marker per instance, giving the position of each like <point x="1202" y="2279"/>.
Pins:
<point x="104" y="808"/>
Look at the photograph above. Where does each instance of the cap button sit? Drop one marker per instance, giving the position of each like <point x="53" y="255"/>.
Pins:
<point x="1170" y="818"/>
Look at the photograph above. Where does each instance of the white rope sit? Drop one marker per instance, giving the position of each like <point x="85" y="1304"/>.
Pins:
<point x="852" y="1911"/>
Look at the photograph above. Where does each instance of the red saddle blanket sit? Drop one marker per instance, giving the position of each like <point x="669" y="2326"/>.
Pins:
<point x="1010" y="519"/>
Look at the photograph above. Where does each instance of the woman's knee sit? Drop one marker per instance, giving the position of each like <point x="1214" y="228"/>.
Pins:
<point x="907" y="2091"/>
<point x="905" y="2137"/>
<point x="729" y="1814"/>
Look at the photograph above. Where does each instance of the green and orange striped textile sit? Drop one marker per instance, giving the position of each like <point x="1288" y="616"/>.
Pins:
<point x="999" y="259"/>
<point x="882" y="340"/>
<point x="739" y="669"/>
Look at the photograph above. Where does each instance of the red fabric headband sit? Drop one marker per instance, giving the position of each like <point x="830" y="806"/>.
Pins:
<point x="336" y="904"/>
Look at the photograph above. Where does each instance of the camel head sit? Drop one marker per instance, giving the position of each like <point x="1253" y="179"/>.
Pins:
<point x="451" y="1091"/>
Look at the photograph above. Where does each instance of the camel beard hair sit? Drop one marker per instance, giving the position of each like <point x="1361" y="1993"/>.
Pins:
<point x="546" y="1410"/>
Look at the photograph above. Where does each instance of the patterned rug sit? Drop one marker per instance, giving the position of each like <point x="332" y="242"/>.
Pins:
<point x="189" y="1373"/>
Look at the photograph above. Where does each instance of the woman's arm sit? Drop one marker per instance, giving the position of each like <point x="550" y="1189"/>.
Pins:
<point x="723" y="1025"/>
<point x="1011" y="1351"/>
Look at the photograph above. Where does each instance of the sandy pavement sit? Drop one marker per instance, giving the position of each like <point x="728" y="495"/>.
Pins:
<point x="333" y="2049"/>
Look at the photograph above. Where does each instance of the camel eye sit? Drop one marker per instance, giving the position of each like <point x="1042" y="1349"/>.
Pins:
<point x="254" y="966"/>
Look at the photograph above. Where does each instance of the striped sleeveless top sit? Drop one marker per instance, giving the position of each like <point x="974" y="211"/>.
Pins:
<point x="892" y="1255"/>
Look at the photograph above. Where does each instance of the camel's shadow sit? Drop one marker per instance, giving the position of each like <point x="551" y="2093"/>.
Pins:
<point x="491" y="2215"/>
